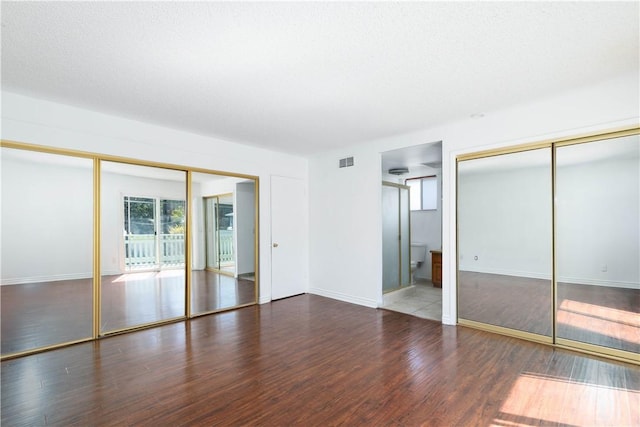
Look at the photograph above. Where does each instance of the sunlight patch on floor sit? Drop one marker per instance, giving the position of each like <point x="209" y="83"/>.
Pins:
<point x="600" y="320"/>
<point x="540" y="400"/>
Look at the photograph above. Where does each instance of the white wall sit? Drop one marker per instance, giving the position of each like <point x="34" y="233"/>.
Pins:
<point x="504" y="220"/>
<point x="598" y="233"/>
<point x="345" y="211"/>
<point x="41" y="122"/>
<point x="47" y="220"/>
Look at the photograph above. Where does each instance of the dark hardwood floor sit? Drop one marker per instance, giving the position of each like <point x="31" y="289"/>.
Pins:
<point x="599" y="315"/>
<point x="512" y="302"/>
<point x="313" y="361"/>
<point x="41" y="314"/>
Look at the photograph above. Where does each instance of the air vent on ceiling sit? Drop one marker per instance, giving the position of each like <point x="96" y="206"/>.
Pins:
<point x="346" y="162"/>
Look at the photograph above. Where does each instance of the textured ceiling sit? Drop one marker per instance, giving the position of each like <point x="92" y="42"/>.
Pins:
<point x="306" y="77"/>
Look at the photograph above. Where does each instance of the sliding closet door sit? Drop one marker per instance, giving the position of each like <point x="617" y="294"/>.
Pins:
<point x="47" y="250"/>
<point x="598" y="243"/>
<point x="142" y="241"/>
<point x="223" y="239"/>
<point x="505" y="242"/>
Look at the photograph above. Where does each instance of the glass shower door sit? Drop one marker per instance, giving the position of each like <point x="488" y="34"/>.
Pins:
<point x="390" y="239"/>
<point x="396" y="240"/>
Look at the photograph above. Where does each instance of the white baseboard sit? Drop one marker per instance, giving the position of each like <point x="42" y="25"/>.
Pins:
<point x="447" y="320"/>
<point x="592" y="282"/>
<point x="506" y="272"/>
<point x="264" y="300"/>
<point x="344" y="297"/>
<point x="39" y="279"/>
<point x="561" y="279"/>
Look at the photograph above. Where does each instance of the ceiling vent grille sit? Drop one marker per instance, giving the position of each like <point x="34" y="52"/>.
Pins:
<point x="346" y="162"/>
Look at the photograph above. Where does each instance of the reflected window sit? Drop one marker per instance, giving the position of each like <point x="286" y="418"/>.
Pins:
<point x="423" y="193"/>
<point x="153" y="232"/>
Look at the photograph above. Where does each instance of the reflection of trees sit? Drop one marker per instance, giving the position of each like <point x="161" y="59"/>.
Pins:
<point x="140" y="216"/>
<point x="177" y="220"/>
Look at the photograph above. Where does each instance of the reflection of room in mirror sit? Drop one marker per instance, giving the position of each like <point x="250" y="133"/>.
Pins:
<point x="598" y="242"/>
<point x="505" y="240"/>
<point x="47" y="262"/>
<point x="47" y="242"/>
<point x="223" y="241"/>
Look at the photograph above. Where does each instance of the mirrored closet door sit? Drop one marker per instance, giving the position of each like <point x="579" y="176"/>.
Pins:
<point x="224" y="245"/>
<point x="566" y="273"/>
<point x="504" y="242"/>
<point x="142" y="242"/>
<point x="598" y="243"/>
<point x="95" y="245"/>
<point x="47" y="250"/>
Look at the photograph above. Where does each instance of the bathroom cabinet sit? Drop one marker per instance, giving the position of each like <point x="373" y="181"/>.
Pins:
<point x="436" y="268"/>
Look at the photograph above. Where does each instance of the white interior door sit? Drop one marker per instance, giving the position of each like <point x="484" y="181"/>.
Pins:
<point x="288" y="237"/>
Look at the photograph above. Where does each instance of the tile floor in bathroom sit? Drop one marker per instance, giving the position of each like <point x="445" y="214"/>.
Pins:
<point x="420" y="300"/>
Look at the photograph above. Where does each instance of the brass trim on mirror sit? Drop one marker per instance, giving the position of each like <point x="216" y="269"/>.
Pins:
<point x="554" y="340"/>
<point x="97" y="274"/>
<point x="506" y="331"/>
<point x="594" y="350"/>
<point x="188" y="241"/>
<point x="44" y="348"/>
<point x="624" y="131"/>
<point x="142" y="326"/>
<point x="96" y="269"/>
<point x="222" y="310"/>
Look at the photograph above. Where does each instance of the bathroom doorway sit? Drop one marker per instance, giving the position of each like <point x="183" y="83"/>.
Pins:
<point x="418" y="168"/>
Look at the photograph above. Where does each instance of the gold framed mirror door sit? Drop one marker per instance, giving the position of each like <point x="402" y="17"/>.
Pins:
<point x="505" y="242"/>
<point x="597" y="245"/>
<point x="95" y="245"/>
<point x="548" y="243"/>
<point x="47" y="250"/>
<point x="224" y="242"/>
<point x="142" y="245"/>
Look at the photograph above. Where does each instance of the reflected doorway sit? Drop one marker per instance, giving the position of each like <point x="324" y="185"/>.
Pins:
<point x="219" y="243"/>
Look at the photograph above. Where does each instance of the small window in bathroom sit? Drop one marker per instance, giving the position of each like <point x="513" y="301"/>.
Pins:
<point x="423" y="193"/>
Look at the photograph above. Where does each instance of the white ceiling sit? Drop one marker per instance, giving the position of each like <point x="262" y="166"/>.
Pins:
<point x="310" y="76"/>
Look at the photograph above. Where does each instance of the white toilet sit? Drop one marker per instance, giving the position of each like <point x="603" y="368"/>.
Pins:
<point x="418" y="256"/>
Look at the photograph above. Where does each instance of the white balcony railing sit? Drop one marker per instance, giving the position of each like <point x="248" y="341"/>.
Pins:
<point x="140" y="249"/>
<point x="226" y="246"/>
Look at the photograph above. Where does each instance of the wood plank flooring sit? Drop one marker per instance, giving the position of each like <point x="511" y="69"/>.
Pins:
<point x="313" y="361"/>
<point x="599" y="315"/>
<point x="40" y="314"/>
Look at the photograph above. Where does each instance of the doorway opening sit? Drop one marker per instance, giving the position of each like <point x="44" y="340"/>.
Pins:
<point x="419" y="170"/>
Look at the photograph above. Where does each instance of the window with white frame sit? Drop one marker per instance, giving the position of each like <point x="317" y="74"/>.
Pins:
<point x="423" y="193"/>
